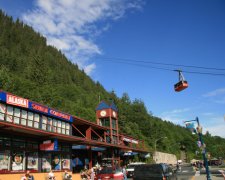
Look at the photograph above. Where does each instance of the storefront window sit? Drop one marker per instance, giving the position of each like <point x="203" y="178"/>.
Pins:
<point x="54" y="125"/>
<point x="36" y="120"/>
<point x="2" y="112"/>
<point x="30" y="119"/>
<point x="49" y="124"/>
<point x="59" y="127"/>
<point x="63" y="128"/>
<point x="4" y="160"/>
<point x="46" y="162"/>
<point x="16" y="115"/>
<point x="24" y="118"/>
<point x="67" y="128"/>
<point x="2" y="116"/>
<point x="32" y="161"/>
<point x="9" y="117"/>
<point x="44" y="122"/>
<point x="18" y="161"/>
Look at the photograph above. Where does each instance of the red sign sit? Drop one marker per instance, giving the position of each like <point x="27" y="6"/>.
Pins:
<point x="18" y="101"/>
<point x="47" y="147"/>
<point x="59" y="114"/>
<point x="39" y="108"/>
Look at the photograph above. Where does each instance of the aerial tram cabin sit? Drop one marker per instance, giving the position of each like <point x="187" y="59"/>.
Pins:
<point x="182" y="84"/>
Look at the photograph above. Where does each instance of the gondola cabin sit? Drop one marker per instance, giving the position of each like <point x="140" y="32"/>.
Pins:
<point x="181" y="85"/>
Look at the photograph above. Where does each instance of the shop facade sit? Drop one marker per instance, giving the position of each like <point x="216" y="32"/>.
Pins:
<point x="37" y="138"/>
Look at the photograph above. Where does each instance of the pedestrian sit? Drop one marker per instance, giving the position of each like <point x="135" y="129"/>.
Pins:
<point x="27" y="176"/>
<point x="51" y="175"/>
<point x="124" y="171"/>
<point x="67" y="176"/>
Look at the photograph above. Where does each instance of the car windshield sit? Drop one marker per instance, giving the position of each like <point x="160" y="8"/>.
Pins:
<point x="130" y="166"/>
<point x="110" y="170"/>
<point x="154" y="169"/>
<point x="106" y="170"/>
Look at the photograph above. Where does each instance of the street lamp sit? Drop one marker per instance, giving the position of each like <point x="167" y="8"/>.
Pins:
<point x="157" y="141"/>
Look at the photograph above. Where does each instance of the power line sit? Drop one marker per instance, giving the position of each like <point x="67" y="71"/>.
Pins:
<point x="159" y="63"/>
<point x="138" y="63"/>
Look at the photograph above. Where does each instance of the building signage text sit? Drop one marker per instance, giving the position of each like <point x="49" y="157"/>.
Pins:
<point x="39" y="108"/>
<point x="18" y="101"/>
<point x="130" y="140"/>
<point x="59" y="114"/>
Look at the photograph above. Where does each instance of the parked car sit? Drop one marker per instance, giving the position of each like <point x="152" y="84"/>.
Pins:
<point x="130" y="168"/>
<point x="153" y="172"/>
<point x="110" y="173"/>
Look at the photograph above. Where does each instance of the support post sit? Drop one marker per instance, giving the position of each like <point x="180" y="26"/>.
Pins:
<point x="204" y="150"/>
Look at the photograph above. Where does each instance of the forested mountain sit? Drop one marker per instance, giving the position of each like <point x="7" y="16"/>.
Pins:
<point x="31" y="69"/>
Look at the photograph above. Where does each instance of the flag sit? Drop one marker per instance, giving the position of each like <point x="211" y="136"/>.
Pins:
<point x="190" y="126"/>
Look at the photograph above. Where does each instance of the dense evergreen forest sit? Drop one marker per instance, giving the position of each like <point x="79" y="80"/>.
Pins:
<point x="31" y="69"/>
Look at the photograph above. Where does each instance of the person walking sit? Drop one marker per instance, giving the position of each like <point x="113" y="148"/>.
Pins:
<point x="124" y="171"/>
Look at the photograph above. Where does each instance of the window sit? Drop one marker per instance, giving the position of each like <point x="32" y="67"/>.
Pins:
<point x="105" y="122"/>
<point x="49" y="124"/>
<point x="63" y="128"/>
<point x="9" y="113"/>
<point x="59" y="127"/>
<point x="24" y="117"/>
<point x="54" y="125"/>
<point x="114" y="132"/>
<point x="16" y="115"/>
<point x="113" y="123"/>
<point x="18" y="144"/>
<point x="67" y="128"/>
<point x="30" y="119"/>
<point x="44" y="122"/>
<point x="4" y="160"/>
<point x="2" y="112"/>
<point x="36" y="120"/>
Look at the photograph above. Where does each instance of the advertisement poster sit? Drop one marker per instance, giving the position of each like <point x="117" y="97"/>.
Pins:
<point x="56" y="162"/>
<point x="46" y="163"/>
<point x="17" y="162"/>
<point x="32" y="161"/>
<point x="66" y="162"/>
<point x="4" y="160"/>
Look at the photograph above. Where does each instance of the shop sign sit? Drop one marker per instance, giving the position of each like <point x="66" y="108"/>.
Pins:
<point x="38" y="107"/>
<point x="130" y="140"/>
<point x="15" y="100"/>
<point x="59" y="114"/>
<point x="49" y="146"/>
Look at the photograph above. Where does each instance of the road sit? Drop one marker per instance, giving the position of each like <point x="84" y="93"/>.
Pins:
<point x="187" y="173"/>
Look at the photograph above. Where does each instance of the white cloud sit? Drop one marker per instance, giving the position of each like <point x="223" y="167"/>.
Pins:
<point x="72" y="25"/>
<point x="175" y="116"/>
<point x="216" y="92"/>
<point x="216" y="130"/>
<point x="216" y="96"/>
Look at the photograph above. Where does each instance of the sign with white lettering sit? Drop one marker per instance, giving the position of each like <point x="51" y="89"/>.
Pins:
<point x="130" y="140"/>
<point x="15" y="100"/>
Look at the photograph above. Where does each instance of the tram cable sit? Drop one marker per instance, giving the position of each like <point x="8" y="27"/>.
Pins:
<point x="173" y="68"/>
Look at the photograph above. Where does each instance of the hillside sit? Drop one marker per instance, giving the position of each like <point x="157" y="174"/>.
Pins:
<point x="31" y="69"/>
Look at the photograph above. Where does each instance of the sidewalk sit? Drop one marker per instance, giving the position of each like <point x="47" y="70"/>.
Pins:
<point x="203" y="177"/>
